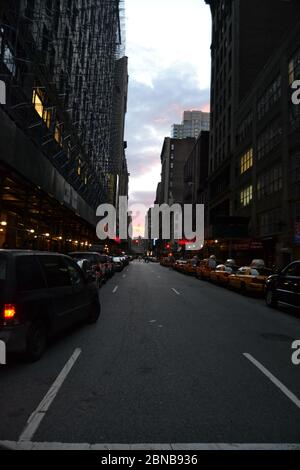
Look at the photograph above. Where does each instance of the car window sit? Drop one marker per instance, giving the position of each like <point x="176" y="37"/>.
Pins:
<point x="293" y="270"/>
<point x="29" y="274"/>
<point x="75" y="274"/>
<point x="254" y="272"/>
<point x="3" y="270"/>
<point x="56" y="271"/>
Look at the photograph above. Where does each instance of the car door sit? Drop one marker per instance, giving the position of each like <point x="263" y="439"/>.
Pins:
<point x="289" y="285"/>
<point x="81" y="298"/>
<point x="60" y="289"/>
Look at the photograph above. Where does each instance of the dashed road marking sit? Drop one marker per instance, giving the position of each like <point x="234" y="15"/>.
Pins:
<point x="176" y="291"/>
<point x="115" y="289"/>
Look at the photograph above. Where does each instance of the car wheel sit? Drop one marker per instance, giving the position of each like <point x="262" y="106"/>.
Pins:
<point x="271" y="300"/>
<point x="95" y="313"/>
<point x="36" y="341"/>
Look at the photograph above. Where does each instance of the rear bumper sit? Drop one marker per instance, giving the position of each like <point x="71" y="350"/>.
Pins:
<point x="14" y="337"/>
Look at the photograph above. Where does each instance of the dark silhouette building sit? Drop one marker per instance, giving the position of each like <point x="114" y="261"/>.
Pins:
<point x="57" y="59"/>
<point x="246" y="38"/>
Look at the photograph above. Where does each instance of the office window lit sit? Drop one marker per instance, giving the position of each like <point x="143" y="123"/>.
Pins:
<point x="246" y="196"/>
<point x="38" y="102"/>
<point x="246" y="161"/>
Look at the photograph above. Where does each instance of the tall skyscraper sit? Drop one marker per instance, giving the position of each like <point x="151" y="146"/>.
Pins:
<point x="193" y="123"/>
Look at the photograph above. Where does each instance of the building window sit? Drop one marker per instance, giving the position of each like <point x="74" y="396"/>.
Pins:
<point x="245" y="128"/>
<point x="269" y="182"/>
<point x="172" y="166"/>
<point x="38" y="99"/>
<point x="246" y="196"/>
<point x="268" y="139"/>
<point x="269" y="98"/>
<point x="269" y="222"/>
<point x="58" y="133"/>
<point x="246" y="161"/>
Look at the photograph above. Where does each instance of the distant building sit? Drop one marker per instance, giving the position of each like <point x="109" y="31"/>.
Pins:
<point x="192" y="124"/>
<point x="118" y="172"/>
<point x="174" y="155"/>
<point x="196" y="171"/>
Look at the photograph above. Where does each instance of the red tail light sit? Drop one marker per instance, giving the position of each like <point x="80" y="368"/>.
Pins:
<point x="9" y="311"/>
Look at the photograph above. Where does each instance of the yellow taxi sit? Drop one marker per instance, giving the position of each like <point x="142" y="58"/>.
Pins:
<point x="249" y="279"/>
<point x="190" y="267"/>
<point x="203" y="271"/>
<point x="179" y="265"/>
<point x="221" y="274"/>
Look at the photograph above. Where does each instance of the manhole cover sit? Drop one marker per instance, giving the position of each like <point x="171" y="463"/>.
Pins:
<point x="278" y="337"/>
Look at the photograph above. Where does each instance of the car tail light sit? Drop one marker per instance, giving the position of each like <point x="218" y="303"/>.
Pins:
<point x="9" y="311"/>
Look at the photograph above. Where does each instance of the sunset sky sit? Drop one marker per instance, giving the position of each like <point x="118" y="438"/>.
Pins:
<point x="168" y="45"/>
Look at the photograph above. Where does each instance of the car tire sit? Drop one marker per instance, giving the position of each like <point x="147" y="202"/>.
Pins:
<point x="270" y="298"/>
<point x="36" y="341"/>
<point x="95" y="313"/>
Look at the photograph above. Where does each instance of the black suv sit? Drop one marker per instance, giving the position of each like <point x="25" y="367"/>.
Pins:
<point x="41" y="294"/>
<point x="284" y="286"/>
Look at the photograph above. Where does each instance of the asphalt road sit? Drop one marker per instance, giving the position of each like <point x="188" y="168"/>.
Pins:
<point x="171" y="360"/>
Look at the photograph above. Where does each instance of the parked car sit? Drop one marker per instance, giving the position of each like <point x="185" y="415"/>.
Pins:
<point x="248" y="279"/>
<point x="118" y="263"/>
<point x="96" y="266"/>
<point x="167" y="261"/>
<point x="284" y="286"/>
<point x="41" y="294"/>
<point x="204" y="269"/>
<point x="190" y="267"/>
<point x="179" y="265"/>
<point x="221" y="274"/>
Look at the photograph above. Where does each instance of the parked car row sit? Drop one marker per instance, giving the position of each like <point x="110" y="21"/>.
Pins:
<point x="43" y="293"/>
<point x="281" y="287"/>
<point x="99" y="267"/>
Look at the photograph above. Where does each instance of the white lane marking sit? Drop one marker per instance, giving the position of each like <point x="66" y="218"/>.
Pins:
<point x="274" y="380"/>
<point x="176" y="291"/>
<point x="85" y="446"/>
<point x="115" y="289"/>
<point x="36" y="417"/>
<point x="158" y="277"/>
<point x="124" y="275"/>
<point x="152" y="321"/>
